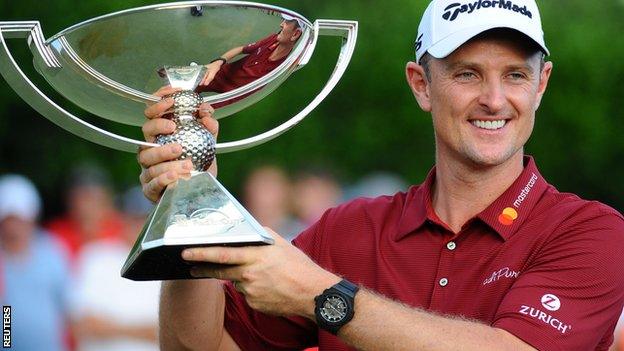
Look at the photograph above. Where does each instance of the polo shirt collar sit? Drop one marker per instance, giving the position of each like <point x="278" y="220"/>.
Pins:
<point x="505" y="215"/>
<point x="415" y="208"/>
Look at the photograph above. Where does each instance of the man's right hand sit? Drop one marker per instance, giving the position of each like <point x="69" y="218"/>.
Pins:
<point x="160" y="165"/>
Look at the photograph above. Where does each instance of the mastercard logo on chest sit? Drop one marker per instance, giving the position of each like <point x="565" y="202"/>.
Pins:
<point x="508" y="216"/>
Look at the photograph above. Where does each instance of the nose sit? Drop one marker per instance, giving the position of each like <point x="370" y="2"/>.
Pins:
<point x="492" y="96"/>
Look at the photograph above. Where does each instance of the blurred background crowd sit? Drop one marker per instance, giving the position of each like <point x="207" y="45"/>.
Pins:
<point x="62" y="245"/>
<point x="61" y="275"/>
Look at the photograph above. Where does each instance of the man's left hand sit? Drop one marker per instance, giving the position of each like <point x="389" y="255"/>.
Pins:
<point x="277" y="279"/>
<point x="211" y="71"/>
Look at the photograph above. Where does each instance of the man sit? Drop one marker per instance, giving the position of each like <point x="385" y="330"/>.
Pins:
<point x="267" y="195"/>
<point x="111" y="313"/>
<point x="90" y="213"/>
<point x="261" y="58"/>
<point x="314" y="191"/>
<point x="484" y="255"/>
<point x="35" y="273"/>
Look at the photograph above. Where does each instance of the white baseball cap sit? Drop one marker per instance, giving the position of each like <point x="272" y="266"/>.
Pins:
<point x="448" y="24"/>
<point x="18" y="197"/>
<point x="289" y="18"/>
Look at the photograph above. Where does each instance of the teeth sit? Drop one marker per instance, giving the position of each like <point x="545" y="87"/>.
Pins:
<point x="489" y="125"/>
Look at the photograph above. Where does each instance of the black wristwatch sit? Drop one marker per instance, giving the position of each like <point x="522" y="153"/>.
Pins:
<point x="223" y="60"/>
<point x="335" y="306"/>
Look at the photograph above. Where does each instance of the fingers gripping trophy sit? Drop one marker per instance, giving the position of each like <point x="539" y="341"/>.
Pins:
<point x="108" y="66"/>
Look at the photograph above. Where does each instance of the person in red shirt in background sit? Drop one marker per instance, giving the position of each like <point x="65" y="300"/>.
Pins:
<point x="90" y="212"/>
<point x="111" y="313"/>
<point x="261" y="58"/>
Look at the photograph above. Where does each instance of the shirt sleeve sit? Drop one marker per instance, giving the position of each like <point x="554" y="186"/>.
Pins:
<point x="571" y="295"/>
<point x="248" y="49"/>
<point x="253" y="330"/>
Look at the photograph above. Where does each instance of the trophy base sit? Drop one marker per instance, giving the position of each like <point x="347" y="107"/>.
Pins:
<point x="194" y="212"/>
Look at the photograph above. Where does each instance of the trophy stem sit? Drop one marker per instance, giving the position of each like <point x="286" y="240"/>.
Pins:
<point x="198" y="144"/>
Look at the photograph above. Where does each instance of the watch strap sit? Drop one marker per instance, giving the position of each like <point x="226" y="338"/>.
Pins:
<point x="347" y="288"/>
<point x="223" y="60"/>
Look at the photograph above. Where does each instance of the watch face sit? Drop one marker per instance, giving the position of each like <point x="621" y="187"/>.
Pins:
<point x="334" y="308"/>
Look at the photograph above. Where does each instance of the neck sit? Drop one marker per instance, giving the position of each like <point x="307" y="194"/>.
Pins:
<point x="461" y="191"/>
<point x="281" y="51"/>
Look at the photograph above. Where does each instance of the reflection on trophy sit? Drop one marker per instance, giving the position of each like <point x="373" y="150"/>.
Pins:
<point x="226" y="73"/>
<point x="107" y="67"/>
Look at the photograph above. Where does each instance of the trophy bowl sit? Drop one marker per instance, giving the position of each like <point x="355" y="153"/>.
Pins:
<point x="229" y="54"/>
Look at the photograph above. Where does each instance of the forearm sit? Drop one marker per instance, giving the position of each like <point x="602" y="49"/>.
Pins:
<point x="232" y="53"/>
<point x="191" y="314"/>
<point x="382" y="324"/>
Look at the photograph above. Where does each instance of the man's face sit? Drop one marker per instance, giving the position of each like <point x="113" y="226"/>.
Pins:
<point x="288" y="32"/>
<point x="483" y="99"/>
<point x="14" y="229"/>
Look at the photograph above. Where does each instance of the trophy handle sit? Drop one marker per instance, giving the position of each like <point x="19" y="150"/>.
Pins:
<point x="345" y="29"/>
<point x="28" y="91"/>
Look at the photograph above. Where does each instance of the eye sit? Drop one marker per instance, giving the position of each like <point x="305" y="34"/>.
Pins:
<point x="465" y="75"/>
<point x="517" y="76"/>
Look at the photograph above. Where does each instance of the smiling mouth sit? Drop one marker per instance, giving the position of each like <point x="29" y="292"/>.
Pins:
<point x="489" y="125"/>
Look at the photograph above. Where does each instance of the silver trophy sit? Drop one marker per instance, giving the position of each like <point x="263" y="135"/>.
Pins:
<point x="110" y="65"/>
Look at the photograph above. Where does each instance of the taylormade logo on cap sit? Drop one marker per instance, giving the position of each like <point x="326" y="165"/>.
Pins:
<point x="453" y="10"/>
<point x="448" y="24"/>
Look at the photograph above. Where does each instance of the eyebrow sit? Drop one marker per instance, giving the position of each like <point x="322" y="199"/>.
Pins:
<point x="470" y="64"/>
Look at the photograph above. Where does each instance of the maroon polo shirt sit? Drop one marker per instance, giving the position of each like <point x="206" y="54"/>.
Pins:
<point x="545" y="266"/>
<point x="247" y="69"/>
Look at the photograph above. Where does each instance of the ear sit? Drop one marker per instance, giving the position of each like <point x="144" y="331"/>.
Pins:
<point x="543" y="82"/>
<point x="417" y="80"/>
<point x="296" y="34"/>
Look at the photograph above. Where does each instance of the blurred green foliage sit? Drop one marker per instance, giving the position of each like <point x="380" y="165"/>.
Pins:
<point x="370" y="121"/>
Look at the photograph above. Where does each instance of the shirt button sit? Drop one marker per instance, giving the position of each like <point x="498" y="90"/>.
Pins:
<point x="451" y="245"/>
<point x="443" y="282"/>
